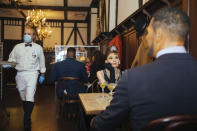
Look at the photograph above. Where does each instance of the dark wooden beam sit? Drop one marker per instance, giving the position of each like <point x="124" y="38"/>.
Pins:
<point x="22" y="13"/>
<point x="2" y="29"/>
<point x="94" y="3"/>
<point x="23" y="29"/>
<point x="48" y="20"/>
<point x="75" y="33"/>
<point x="116" y="12"/>
<point x="65" y="3"/>
<point x="58" y="8"/>
<point x="66" y="12"/>
<point x="69" y="37"/>
<point x="89" y="29"/>
<point x="67" y="21"/>
<point x="62" y="33"/>
<point x="81" y="37"/>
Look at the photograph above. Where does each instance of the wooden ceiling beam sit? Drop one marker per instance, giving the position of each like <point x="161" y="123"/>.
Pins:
<point x="65" y="12"/>
<point x="48" y="20"/>
<point x="22" y="13"/>
<point x="58" y="8"/>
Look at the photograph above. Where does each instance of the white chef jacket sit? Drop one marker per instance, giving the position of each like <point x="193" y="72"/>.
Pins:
<point x="28" y="58"/>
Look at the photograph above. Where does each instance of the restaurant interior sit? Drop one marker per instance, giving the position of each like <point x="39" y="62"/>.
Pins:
<point x="88" y="26"/>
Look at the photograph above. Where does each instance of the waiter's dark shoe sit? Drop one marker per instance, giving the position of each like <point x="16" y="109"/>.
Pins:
<point x="27" y="122"/>
<point x="27" y="127"/>
<point x="27" y="115"/>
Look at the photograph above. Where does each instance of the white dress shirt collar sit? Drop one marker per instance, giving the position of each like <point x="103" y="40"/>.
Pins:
<point x="175" y="49"/>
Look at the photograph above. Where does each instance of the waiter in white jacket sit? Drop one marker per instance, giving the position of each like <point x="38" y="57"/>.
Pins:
<point x="30" y="62"/>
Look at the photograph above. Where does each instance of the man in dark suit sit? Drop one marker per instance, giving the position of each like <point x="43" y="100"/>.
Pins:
<point x="68" y="68"/>
<point x="165" y="87"/>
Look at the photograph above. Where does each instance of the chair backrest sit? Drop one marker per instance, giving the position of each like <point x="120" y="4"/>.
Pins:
<point x="95" y="87"/>
<point x="76" y="84"/>
<point x="173" y="123"/>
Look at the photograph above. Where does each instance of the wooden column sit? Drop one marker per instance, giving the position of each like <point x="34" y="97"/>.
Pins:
<point x="193" y="32"/>
<point x="89" y="28"/>
<point x="62" y="33"/>
<point x="2" y="29"/>
<point x="22" y="29"/>
<point x="75" y="33"/>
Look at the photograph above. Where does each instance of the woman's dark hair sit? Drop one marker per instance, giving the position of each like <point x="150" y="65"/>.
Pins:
<point x="111" y="49"/>
<point x="98" y="64"/>
<point x="98" y="58"/>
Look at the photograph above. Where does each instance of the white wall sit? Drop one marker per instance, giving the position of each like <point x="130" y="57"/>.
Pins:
<point x="55" y="38"/>
<point x="12" y="32"/>
<point x="93" y="23"/>
<point x="112" y="18"/>
<point x="68" y="27"/>
<point x="83" y="32"/>
<point x="0" y="30"/>
<point x="67" y="32"/>
<point x="126" y="8"/>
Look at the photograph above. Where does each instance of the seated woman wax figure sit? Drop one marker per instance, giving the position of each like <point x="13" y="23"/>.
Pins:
<point x="111" y="73"/>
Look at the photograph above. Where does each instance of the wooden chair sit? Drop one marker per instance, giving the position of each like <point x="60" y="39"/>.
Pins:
<point x="95" y="87"/>
<point x="173" y="123"/>
<point x="69" y="99"/>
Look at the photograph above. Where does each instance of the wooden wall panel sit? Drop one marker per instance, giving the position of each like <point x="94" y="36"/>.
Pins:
<point x="129" y="42"/>
<point x="193" y="38"/>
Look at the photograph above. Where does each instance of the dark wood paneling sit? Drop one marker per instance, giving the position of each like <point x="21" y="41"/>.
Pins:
<point x="129" y="46"/>
<point x="2" y="29"/>
<point x="193" y="38"/>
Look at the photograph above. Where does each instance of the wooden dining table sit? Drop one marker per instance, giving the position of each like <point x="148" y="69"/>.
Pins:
<point x="94" y="103"/>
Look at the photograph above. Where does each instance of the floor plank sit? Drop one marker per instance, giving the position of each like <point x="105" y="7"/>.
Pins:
<point x="43" y="116"/>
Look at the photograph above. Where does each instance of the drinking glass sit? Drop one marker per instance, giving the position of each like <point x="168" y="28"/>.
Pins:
<point x="103" y="85"/>
<point x="111" y="87"/>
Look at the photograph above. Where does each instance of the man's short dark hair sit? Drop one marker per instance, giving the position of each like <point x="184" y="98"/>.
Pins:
<point x="173" y="20"/>
<point x="71" y="49"/>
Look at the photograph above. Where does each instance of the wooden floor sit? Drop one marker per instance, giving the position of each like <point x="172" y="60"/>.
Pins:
<point x="43" y="116"/>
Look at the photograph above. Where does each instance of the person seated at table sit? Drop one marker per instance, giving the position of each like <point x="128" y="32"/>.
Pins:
<point x="98" y="62"/>
<point x="88" y="64"/>
<point x="164" y="87"/>
<point x="111" y="73"/>
<point x="68" y="68"/>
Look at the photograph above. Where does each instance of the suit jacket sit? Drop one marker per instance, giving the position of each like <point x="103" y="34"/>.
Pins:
<point x="68" y="68"/>
<point x="165" y="87"/>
